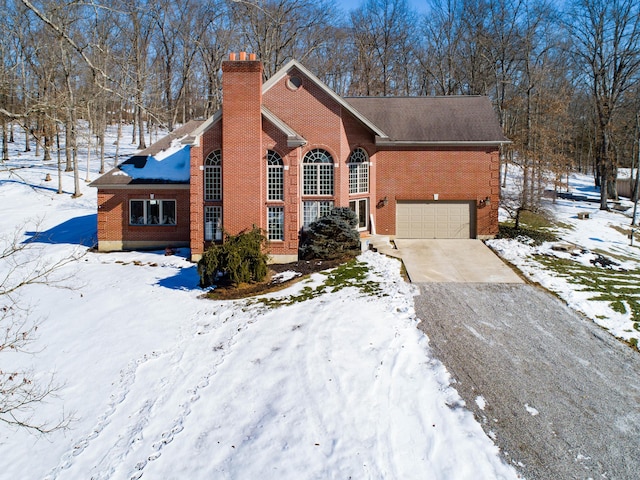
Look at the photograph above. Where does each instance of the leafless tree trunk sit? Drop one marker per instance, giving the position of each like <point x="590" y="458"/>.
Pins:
<point x="385" y="36"/>
<point x="607" y="40"/>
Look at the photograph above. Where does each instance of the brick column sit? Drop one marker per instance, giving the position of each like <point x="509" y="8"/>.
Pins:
<point x="243" y="170"/>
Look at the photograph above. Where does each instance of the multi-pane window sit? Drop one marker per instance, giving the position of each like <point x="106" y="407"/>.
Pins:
<point x="275" y="176"/>
<point x="152" y="212"/>
<point x="358" y="171"/>
<point x="314" y="210"/>
<point x="361" y="209"/>
<point x="212" y="223"/>
<point x="275" y="223"/>
<point x="317" y="173"/>
<point x="213" y="176"/>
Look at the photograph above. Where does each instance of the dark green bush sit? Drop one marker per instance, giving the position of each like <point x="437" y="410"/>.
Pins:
<point x="536" y="236"/>
<point x="239" y="259"/>
<point x="334" y="236"/>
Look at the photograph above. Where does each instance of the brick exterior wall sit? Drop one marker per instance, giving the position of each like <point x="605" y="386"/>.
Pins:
<point x="115" y="233"/>
<point x="243" y="177"/>
<point x="211" y="140"/>
<point x="453" y="174"/>
<point x="274" y="139"/>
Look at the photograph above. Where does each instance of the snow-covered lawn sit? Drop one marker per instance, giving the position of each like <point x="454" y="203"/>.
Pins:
<point x="163" y="384"/>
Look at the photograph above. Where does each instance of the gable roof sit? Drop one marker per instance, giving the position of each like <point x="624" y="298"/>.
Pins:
<point x="164" y="162"/>
<point x="399" y="121"/>
<point x="279" y="75"/>
<point x="451" y="120"/>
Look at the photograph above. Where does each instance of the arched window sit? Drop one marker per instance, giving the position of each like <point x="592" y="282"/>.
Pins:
<point x="275" y="176"/>
<point x="213" y="176"/>
<point x="317" y="173"/>
<point x="358" y="171"/>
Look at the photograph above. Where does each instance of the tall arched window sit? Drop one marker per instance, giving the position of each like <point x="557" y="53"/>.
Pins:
<point x="317" y="173"/>
<point x="275" y="176"/>
<point x="358" y="171"/>
<point x="213" y="176"/>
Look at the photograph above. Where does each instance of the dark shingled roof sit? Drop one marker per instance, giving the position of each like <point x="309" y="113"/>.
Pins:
<point x="452" y="119"/>
<point x="116" y="177"/>
<point x="165" y="142"/>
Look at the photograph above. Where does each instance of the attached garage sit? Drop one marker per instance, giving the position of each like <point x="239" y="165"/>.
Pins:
<point x="422" y="219"/>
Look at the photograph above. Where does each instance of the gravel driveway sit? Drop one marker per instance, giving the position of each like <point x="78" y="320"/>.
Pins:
<point x="560" y="396"/>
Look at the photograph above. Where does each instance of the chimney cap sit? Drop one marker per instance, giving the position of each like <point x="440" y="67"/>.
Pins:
<point x="242" y="56"/>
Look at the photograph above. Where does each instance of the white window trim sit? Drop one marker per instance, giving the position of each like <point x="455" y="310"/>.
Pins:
<point x="319" y="206"/>
<point x="315" y="170"/>
<point x="361" y="169"/>
<point x="213" y="165"/>
<point x="269" y="232"/>
<point x="273" y="167"/>
<point x="216" y="233"/>
<point x="145" y="209"/>
<point x="367" y="213"/>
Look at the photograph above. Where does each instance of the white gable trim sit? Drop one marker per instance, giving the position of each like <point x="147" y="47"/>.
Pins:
<point x="197" y="133"/>
<point x="293" y="138"/>
<point x="279" y="75"/>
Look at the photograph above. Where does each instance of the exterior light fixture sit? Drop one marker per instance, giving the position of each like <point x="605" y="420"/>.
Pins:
<point x="382" y="202"/>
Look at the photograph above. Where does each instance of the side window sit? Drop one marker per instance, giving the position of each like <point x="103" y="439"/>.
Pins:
<point x="212" y="223"/>
<point x="275" y="223"/>
<point x="275" y="176"/>
<point x="358" y="171"/>
<point x="317" y="173"/>
<point x="152" y="212"/>
<point x="213" y="176"/>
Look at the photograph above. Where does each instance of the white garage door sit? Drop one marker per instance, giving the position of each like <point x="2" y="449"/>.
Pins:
<point x="434" y="220"/>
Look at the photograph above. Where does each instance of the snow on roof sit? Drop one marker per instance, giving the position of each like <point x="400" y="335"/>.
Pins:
<point x="172" y="164"/>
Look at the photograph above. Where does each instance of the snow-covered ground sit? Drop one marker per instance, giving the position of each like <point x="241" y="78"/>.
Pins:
<point x="163" y="384"/>
<point x="603" y="233"/>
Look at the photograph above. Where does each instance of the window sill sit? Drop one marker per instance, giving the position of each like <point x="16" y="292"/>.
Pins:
<point x="153" y="224"/>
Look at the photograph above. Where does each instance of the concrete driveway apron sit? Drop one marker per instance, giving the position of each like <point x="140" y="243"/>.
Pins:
<point x="466" y="261"/>
<point x="559" y="395"/>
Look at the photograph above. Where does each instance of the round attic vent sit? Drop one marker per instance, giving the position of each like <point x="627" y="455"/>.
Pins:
<point x="294" y="83"/>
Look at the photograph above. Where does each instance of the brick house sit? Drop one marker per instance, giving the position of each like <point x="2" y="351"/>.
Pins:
<point x="279" y="154"/>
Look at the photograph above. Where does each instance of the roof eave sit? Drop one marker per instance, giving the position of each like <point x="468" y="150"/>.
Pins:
<point x="194" y="138"/>
<point x="157" y="186"/>
<point x="294" y="139"/>
<point x="386" y="142"/>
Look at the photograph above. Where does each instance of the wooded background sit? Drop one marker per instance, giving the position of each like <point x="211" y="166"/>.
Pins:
<point x="563" y="76"/>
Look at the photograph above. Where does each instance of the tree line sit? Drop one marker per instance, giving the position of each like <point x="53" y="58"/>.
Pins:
<point x="563" y="76"/>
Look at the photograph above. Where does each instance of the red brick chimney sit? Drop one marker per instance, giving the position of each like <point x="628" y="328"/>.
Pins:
<point x="243" y="172"/>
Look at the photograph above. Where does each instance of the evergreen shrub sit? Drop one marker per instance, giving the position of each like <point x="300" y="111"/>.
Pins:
<point x="334" y="236"/>
<point x="239" y="259"/>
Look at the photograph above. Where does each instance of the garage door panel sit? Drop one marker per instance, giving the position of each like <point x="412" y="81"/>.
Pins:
<point x="434" y="219"/>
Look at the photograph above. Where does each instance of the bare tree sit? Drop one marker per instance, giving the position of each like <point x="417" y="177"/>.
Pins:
<point x="440" y="58"/>
<point x="22" y="391"/>
<point x="606" y="35"/>
<point x="279" y="30"/>
<point x="384" y="37"/>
